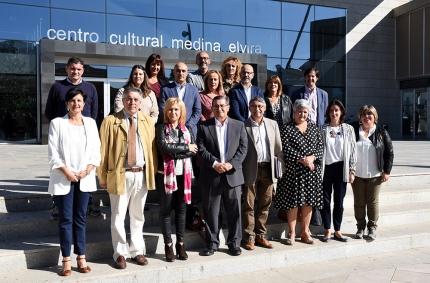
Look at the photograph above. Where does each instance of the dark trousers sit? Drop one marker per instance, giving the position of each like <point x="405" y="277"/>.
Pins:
<point x="366" y="195"/>
<point x="211" y="198"/>
<point x="333" y="181"/>
<point x="72" y="210"/>
<point x="54" y="200"/>
<point x="167" y="202"/>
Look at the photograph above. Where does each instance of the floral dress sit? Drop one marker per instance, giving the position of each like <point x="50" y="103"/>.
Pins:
<point x="299" y="186"/>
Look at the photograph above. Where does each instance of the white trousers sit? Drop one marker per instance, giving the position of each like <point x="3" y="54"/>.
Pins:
<point x="134" y="199"/>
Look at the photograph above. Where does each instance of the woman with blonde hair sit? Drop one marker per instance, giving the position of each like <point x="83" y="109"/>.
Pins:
<point x="230" y="72"/>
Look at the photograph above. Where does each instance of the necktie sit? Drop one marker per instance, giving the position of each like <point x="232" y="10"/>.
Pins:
<point x="131" y="143"/>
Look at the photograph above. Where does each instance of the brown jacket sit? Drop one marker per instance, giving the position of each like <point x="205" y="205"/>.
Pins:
<point x="113" y="136"/>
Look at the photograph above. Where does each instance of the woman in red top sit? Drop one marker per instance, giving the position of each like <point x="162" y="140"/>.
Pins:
<point x="154" y="67"/>
<point x="213" y="87"/>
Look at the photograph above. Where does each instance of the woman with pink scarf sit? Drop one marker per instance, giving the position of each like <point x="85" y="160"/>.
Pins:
<point x="176" y="144"/>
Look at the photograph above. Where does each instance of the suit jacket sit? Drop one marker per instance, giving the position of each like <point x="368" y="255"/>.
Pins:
<point x="250" y="167"/>
<point x="209" y="152"/>
<point x="59" y="155"/>
<point x="192" y="103"/>
<point x="239" y="102"/>
<point x="322" y="100"/>
<point x="113" y="133"/>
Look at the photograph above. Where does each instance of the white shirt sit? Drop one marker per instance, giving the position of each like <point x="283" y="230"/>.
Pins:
<point x="248" y="96"/>
<point x="367" y="166"/>
<point x="181" y="90"/>
<point x="311" y="96"/>
<point x="140" y="157"/>
<point x="334" y="145"/>
<point x="77" y="143"/>
<point x="261" y="141"/>
<point x="221" y="133"/>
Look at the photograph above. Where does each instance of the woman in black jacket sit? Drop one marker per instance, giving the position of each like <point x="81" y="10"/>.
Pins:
<point x="176" y="144"/>
<point x="374" y="162"/>
<point x="279" y="106"/>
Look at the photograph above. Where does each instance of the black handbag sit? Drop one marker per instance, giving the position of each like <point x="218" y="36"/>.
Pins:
<point x="316" y="219"/>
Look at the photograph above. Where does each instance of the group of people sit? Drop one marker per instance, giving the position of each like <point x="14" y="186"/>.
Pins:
<point x="234" y="137"/>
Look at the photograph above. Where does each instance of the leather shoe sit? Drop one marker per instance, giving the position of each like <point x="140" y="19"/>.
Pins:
<point x="120" y="263"/>
<point x="170" y="256"/>
<point x="208" y="252"/>
<point x="235" y="251"/>
<point x="250" y="245"/>
<point x="140" y="260"/>
<point x="180" y="251"/>
<point x="261" y="241"/>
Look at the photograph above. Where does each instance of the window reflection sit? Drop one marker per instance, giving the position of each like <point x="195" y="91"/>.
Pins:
<point x="84" y="5"/>
<point x="263" y="13"/>
<point x="225" y="35"/>
<point x="328" y="47"/>
<point x="331" y="73"/>
<point x="82" y="26"/>
<point x="119" y="72"/>
<point x="31" y="2"/>
<point x="293" y="16"/>
<point x="228" y="12"/>
<point x="176" y="33"/>
<point x="131" y="7"/>
<point x="22" y="22"/>
<point x="267" y="40"/>
<point x="303" y="47"/>
<point x="332" y="26"/>
<point x="136" y="31"/>
<point x="188" y="10"/>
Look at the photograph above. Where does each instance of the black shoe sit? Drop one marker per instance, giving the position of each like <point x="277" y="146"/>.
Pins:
<point x="372" y="235"/>
<point x="208" y="252"/>
<point x="359" y="234"/>
<point x="235" y="251"/>
<point x="344" y="239"/>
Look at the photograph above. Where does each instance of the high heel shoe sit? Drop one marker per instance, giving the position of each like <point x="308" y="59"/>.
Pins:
<point x="67" y="272"/>
<point x="180" y="251"/>
<point x="85" y="269"/>
<point x="170" y="256"/>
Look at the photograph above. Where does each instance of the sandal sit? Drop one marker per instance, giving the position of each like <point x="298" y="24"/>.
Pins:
<point x="67" y="272"/>
<point x="307" y="240"/>
<point x="291" y="240"/>
<point x="85" y="269"/>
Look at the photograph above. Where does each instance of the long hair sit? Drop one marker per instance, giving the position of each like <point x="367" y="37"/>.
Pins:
<point x="157" y="59"/>
<point x="277" y="81"/>
<point x="219" y="89"/>
<point x="145" y="87"/>
<point x="342" y="108"/>
<point x="238" y="67"/>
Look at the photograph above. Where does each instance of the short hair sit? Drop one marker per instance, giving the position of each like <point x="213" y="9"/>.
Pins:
<point x="157" y="59"/>
<point x="368" y="107"/>
<point x="169" y="103"/>
<point x="132" y="89"/>
<point x="257" y="99"/>
<point x="278" y="82"/>
<point x="219" y="97"/>
<point x="75" y="60"/>
<point x="219" y="89"/>
<point x="342" y="108"/>
<point x="308" y="70"/>
<point x="301" y="103"/>
<point x="197" y="55"/>
<point x="238" y="68"/>
<point x="145" y="87"/>
<point x="73" y="92"/>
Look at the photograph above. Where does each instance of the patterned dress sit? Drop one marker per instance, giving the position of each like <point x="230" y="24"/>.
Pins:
<point x="299" y="185"/>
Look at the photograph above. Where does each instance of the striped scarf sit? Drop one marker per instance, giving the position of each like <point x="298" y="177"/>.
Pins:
<point x="170" y="184"/>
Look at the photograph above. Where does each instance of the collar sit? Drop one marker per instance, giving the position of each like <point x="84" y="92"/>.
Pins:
<point x="255" y="123"/>
<point x="180" y="86"/>
<point x="126" y="115"/>
<point x="198" y="72"/>
<point x="308" y="90"/>
<point x="80" y="81"/>
<point x="244" y="87"/>
<point x="218" y="123"/>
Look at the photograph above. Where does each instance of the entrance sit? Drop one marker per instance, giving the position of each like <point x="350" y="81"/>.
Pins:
<point x="415" y="113"/>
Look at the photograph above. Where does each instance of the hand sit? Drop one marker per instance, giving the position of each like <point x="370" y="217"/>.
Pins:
<point x="81" y="174"/>
<point x="385" y="177"/>
<point x="193" y="147"/>
<point x="219" y="167"/>
<point x="311" y="166"/>
<point x="103" y="186"/>
<point x="310" y="159"/>
<point x="71" y="176"/>
<point x="228" y="166"/>
<point x="351" y="178"/>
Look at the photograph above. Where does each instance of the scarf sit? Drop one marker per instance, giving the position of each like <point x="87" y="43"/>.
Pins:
<point x="170" y="184"/>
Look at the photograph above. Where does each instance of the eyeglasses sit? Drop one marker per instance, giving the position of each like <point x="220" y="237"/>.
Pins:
<point x="257" y="106"/>
<point x="203" y="58"/>
<point x="219" y="106"/>
<point x="247" y="73"/>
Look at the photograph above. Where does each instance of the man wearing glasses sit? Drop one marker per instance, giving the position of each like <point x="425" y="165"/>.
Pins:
<point x="197" y="78"/>
<point x="242" y="93"/>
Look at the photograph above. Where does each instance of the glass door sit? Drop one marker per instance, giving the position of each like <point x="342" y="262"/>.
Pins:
<point x="421" y="113"/>
<point x="408" y="100"/>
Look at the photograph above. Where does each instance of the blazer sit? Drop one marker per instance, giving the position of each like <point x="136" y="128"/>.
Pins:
<point x="191" y="100"/>
<point x="207" y="142"/>
<point x="59" y="155"/>
<point x="286" y="108"/>
<point x="113" y="133"/>
<point x="349" y="150"/>
<point x="322" y="100"/>
<point x="250" y="167"/>
<point x="239" y="102"/>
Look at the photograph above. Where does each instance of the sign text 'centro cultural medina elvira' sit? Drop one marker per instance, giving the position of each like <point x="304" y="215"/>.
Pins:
<point x="132" y="39"/>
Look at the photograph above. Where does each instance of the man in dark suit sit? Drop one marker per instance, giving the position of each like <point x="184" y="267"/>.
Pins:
<point x="222" y="144"/>
<point x="242" y="93"/>
<point x="318" y="98"/>
<point x="186" y="92"/>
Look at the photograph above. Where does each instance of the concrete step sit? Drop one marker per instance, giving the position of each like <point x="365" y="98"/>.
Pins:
<point x="197" y="267"/>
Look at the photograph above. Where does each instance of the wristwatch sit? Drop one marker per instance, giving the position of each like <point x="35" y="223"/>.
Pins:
<point x="88" y="172"/>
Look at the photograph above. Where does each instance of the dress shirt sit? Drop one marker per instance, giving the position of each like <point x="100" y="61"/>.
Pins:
<point x="73" y="83"/>
<point x="181" y="90"/>
<point x="367" y="165"/>
<point x="261" y="141"/>
<point x="221" y="134"/>
<point x="248" y="96"/>
<point x="311" y="96"/>
<point x="140" y="158"/>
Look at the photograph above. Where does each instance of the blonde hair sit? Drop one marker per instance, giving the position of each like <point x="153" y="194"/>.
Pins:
<point x="219" y="89"/>
<point x="169" y="103"/>
<point x="238" y="67"/>
<point x="365" y="108"/>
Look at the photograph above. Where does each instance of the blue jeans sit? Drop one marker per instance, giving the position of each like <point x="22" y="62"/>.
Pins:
<point x="72" y="211"/>
<point x="54" y="200"/>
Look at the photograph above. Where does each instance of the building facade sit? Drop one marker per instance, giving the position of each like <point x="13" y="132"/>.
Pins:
<point x="352" y="43"/>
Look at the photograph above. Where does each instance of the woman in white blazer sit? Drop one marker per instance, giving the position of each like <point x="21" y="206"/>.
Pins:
<point x="74" y="151"/>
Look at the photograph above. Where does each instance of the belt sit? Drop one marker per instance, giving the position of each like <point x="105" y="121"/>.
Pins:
<point x="134" y="169"/>
<point x="262" y="164"/>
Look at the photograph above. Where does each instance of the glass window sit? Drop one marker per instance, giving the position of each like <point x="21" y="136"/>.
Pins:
<point x="77" y="26"/>
<point x="23" y="22"/>
<point x="136" y="31"/>
<point x="263" y="13"/>
<point x="303" y="47"/>
<point x="31" y="2"/>
<point x="331" y="73"/>
<point x="90" y="71"/>
<point x="119" y="72"/>
<point x="292" y="75"/>
<point x="84" y="5"/>
<point x="228" y="12"/>
<point x="263" y="41"/>
<point x="329" y="20"/>
<point x="131" y="7"/>
<point x="293" y="16"/>
<point x="229" y="37"/>
<point x="176" y="33"/>
<point x="187" y="10"/>
<point x="328" y="47"/>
